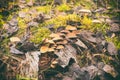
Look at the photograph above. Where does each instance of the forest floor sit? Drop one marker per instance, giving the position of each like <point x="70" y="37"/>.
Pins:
<point x="55" y="40"/>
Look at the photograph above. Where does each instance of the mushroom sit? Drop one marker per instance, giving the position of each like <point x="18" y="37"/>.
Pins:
<point x="62" y="42"/>
<point x="60" y="47"/>
<point x="76" y="32"/>
<point x="49" y="41"/>
<point x="60" y="34"/>
<point x="71" y="28"/>
<point x="54" y="62"/>
<point x="44" y="49"/>
<point x="84" y="11"/>
<point x="65" y="31"/>
<point x="71" y="35"/>
<point x="57" y="38"/>
<point x="51" y="50"/>
<point x="53" y="35"/>
<point x="15" y="39"/>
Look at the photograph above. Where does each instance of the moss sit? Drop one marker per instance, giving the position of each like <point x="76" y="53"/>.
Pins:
<point x="100" y="27"/>
<point x="1" y="23"/>
<point x="44" y="9"/>
<point x="25" y="9"/>
<point x="86" y="23"/>
<point x="86" y="4"/>
<point x="4" y="46"/>
<point x="61" y="20"/>
<point x="115" y="40"/>
<point x="18" y="77"/>
<point x="21" y="23"/>
<point x="40" y="35"/>
<point x="63" y="7"/>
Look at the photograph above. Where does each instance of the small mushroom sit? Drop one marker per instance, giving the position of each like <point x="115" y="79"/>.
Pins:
<point x="61" y="34"/>
<point x="57" y="38"/>
<point x="60" y="47"/>
<point x="49" y="41"/>
<point x="71" y="28"/>
<point x="44" y="49"/>
<point x="62" y="42"/>
<point x="76" y="31"/>
<point x="54" y="63"/>
<point x="53" y="35"/>
<point x="84" y="11"/>
<point x="51" y="49"/>
<point x="15" y="39"/>
<point x="71" y="35"/>
<point x="65" y="31"/>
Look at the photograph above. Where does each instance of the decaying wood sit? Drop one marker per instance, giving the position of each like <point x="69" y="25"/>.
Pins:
<point x="29" y="67"/>
<point x="66" y="54"/>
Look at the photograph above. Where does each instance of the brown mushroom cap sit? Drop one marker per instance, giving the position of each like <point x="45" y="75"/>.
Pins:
<point x="62" y="42"/>
<point x="44" y="49"/>
<point x="60" y="47"/>
<point x="54" y="62"/>
<point x="53" y="35"/>
<point x="57" y="38"/>
<point x="71" y="35"/>
<point x="76" y="31"/>
<point x="51" y="49"/>
<point x="71" y="28"/>
<point x="65" y="31"/>
<point x="60" y="34"/>
<point x="49" y="41"/>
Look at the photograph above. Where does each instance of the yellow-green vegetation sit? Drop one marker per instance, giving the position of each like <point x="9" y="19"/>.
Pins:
<point x="61" y="20"/>
<point x="25" y="78"/>
<point x="86" y="23"/>
<point x="89" y="25"/>
<point x="63" y="7"/>
<point x="40" y="35"/>
<point x="44" y="9"/>
<point x="100" y="27"/>
<point x="21" y="23"/>
<point x="1" y="22"/>
<point x="86" y="3"/>
<point x="25" y="9"/>
<point x="115" y="40"/>
<point x="4" y="45"/>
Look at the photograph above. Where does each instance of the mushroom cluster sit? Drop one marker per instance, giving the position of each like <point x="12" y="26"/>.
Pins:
<point x="57" y="41"/>
<point x="71" y="41"/>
